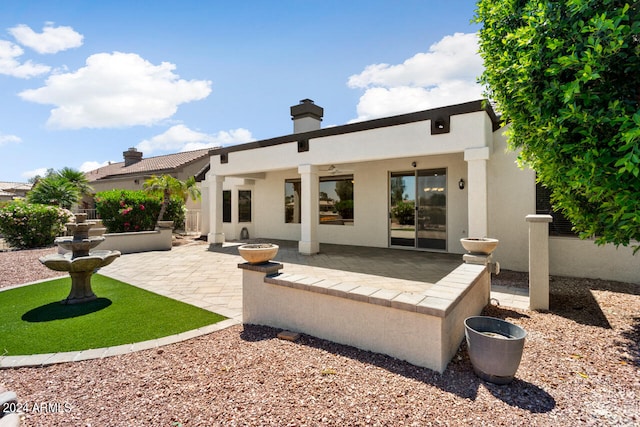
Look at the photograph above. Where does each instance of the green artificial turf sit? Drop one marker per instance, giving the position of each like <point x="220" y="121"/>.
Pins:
<point x="33" y="321"/>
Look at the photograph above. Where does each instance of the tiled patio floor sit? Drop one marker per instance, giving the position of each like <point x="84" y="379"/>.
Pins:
<point x="210" y="278"/>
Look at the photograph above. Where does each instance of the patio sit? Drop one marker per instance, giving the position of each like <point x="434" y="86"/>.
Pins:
<point x="209" y="277"/>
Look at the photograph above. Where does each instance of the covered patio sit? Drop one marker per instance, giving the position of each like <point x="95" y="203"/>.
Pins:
<point x="416" y="181"/>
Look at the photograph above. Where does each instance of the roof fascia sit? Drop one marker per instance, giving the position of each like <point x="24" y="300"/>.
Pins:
<point x="433" y="114"/>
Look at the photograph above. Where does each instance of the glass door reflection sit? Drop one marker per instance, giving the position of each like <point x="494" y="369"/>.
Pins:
<point x="431" y="221"/>
<point x="402" y="229"/>
<point x="418" y="209"/>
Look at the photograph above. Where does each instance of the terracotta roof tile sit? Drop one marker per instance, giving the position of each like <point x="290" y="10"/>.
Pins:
<point x="148" y="165"/>
<point x="15" y="186"/>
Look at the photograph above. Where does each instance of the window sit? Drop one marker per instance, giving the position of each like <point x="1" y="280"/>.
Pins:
<point x="244" y="206"/>
<point x="560" y="226"/>
<point x="226" y="206"/>
<point x="292" y="193"/>
<point x="336" y="200"/>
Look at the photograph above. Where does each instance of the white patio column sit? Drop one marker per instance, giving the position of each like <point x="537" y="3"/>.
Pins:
<point x="310" y="210"/>
<point x="476" y="159"/>
<point x="216" y="235"/>
<point x="204" y="207"/>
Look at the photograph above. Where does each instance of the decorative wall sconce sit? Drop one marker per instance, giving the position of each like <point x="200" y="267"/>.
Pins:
<point x="461" y="184"/>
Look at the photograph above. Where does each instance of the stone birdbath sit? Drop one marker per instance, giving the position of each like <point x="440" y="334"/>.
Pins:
<point x="82" y="261"/>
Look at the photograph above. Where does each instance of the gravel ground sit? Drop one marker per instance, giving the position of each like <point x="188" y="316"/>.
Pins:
<point x="581" y="366"/>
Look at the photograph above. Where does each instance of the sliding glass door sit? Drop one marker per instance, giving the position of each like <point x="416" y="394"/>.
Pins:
<point x="418" y="209"/>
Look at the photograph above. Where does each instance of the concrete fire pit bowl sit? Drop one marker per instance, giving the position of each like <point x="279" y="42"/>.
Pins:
<point x="258" y="253"/>
<point x="479" y="246"/>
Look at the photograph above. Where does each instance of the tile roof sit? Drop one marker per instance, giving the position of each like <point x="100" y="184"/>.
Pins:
<point x="148" y="165"/>
<point x="15" y="186"/>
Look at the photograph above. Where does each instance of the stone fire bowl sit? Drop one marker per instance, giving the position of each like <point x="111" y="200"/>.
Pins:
<point x="258" y="253"/>
<point x="482" y="246"/>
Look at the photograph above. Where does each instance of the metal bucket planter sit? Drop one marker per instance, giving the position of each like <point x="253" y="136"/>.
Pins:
<point x="495" y="347"/>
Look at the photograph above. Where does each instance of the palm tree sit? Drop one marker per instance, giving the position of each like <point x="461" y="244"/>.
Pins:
<point x="168" y="186"/>
<point x="62" y="188"/>
<point x="54" y="190"/>
<point x="77" y="178"/>
<point x="190" y="190"/>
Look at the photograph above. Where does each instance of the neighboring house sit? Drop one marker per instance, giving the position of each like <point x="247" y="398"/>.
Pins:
<point x="416" y="181"/>
<point x="134" y="170"/>
<point x="12" y="190"/>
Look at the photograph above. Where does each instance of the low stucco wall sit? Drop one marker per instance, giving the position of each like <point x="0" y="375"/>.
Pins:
<point x="570" y="256"/>
<point x="141" y="241"/>
<point x="425" y="331"/>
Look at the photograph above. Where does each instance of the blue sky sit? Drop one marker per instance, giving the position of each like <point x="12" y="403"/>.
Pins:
<point x="82" y="81"/>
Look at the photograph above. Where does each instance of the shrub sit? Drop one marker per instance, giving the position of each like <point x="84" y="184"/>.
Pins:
<point x="128" y="210"/>
<point x="30" y="225"/>
<point x="404" y="212"/>
<point x="565" y="75"/>
<point x="176" y="212"/>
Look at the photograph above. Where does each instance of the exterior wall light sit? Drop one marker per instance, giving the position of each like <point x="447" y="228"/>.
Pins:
<point x="461" y="184"/>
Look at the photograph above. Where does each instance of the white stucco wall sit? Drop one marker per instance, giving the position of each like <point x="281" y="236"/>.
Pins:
<point x="408" y="140"/>
<point x="512" y="196"/>
<point x="583" y="258"/>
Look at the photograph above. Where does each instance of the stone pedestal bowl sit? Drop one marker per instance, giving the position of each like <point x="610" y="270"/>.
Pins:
<point x="479" y="246"/>
<point x="258" y="253"/>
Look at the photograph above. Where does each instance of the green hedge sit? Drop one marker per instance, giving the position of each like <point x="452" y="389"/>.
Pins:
<point x="30" y="225"/>
<point x="128" y="210"/>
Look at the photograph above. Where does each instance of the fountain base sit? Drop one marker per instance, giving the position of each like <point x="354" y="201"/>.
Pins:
<point x="81" y="291"/>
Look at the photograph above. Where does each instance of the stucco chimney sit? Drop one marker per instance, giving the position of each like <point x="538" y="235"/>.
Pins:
<point x="306" y="116"/>
<point x="131" y="156"/>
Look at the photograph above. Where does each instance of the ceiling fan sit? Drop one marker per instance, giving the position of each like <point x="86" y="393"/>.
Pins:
<point x="333" y="170"/>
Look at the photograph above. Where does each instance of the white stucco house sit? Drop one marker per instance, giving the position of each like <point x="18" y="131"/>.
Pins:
<point x="417" y="181"/>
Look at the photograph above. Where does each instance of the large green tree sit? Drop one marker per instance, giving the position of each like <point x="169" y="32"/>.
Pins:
<point x="566" y="76"/>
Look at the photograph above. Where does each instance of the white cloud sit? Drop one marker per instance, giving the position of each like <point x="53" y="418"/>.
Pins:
<point x="116" y="90"/>
<point x="35" y="172"/>
<point x="92" y="165"/>
<point x="181" y="138"/>
<point x="50" y="40"/>
<point x="6" y="139"/>
<point x="446" y="74"/>
<point x="10" y="66"/>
